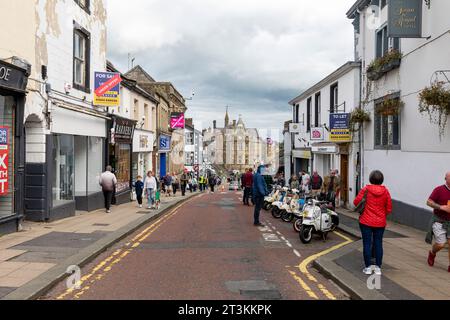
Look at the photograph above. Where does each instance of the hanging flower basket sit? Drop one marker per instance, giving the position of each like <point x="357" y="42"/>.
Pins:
<point x="358" y="117"/>
<point x="435" y="101"/>
<point x="380" y="66"/>
<point x="390" y="106"/>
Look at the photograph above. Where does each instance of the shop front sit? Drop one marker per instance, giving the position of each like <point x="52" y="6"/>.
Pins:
<point x="13" y="82"/>
<point x="142" y="153"/>
<point x="120" y="155"/>
<point x="302" y="160"/>
<point x="164" y="152"/>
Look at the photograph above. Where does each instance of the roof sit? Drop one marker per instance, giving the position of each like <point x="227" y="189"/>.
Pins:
<point x="344" y="69"/>
<point x="358" y="5"/>
<point x="141" y="70"/>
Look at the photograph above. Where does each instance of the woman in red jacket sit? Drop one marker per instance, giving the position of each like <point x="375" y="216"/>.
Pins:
<point x="373" y="220"/>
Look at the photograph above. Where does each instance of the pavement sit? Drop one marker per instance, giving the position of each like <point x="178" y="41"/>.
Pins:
<point x="406" y="274"/>
<point x="35" y="259"/>
<point x="208" y="249"/>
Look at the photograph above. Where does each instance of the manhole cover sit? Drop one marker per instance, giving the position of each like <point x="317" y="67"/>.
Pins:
<point x="262" y="294"/>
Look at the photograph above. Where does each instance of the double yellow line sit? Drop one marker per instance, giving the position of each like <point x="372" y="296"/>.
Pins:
<point x="100" y="270"/>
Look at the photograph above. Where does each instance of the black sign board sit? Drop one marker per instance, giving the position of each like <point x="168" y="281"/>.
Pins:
<point x="12" y="77"/>
<point x="124" y="130"/>
<point x="405" y="18"/>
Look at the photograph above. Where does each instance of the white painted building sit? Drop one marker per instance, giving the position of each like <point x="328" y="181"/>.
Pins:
<point x="407" y="147"/>
<point x="193" y="146"/>
<point x="311" y="143"/>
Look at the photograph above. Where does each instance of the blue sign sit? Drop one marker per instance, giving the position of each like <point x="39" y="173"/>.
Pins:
<point x="340" y="127"/>
<point x="3" y="136"/>
<point x="164" y="143"/>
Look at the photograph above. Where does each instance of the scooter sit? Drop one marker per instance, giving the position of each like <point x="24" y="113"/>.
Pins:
<point x="274" y="196"/>
<point x="288" y="208"/>
<point x="277" y="205"/>
<point x="298" y="213"/>
<point x="318" y="218"/>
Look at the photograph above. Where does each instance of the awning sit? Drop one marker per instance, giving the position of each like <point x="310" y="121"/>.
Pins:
<point x="302" y="154"/>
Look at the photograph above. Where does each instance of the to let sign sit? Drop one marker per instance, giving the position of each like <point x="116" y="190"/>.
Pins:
<point x="107" y="89"/>
<point x="340" y="127"/>
<point x="405" y="18"/>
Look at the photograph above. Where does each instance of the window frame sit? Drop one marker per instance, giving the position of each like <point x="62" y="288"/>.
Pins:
<point x="317" y="109"/>
<point x="390" y="124"/>
<point x="334" y="97"/>
<point x="308" y="114"/>
<point x="388" y="42"/>
<point x="80" y="31"/>
<point x="86" y="7"/>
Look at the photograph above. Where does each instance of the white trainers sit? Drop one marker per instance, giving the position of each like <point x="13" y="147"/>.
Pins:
<point x="140" y="206"/>
<point x="108" y="211"/>
<point x="377" y="270"/>
<point x="367" y="271"/>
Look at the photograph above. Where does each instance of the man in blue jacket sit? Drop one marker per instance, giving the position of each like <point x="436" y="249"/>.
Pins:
<point x="259" y="192"/>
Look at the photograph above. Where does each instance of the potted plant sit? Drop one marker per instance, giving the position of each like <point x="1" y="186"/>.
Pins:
<point x="358" y="117"/>
<point x="435" y="100"/>
<point x="390" y="106"/>
<point x="378" y="67"/>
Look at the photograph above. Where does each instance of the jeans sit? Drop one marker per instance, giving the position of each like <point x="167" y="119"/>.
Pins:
<point x="247" y="194"/>
<point x="108" y="197"/>
<point x="150" y="197"/>
<point x="259" y="201"/>
<point x="139" y="197"/>
<point x="372" y="236"/>
<point x="183" y="189"/>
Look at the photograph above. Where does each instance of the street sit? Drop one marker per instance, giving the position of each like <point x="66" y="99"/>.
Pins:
<point x="208" y="248"/>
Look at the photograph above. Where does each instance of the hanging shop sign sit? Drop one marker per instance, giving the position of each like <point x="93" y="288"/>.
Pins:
<point x="405" y="18"/>
<point x="340" y="127"/>
<point x="317" y="134"/>
<point x="294" y="128"/>
<point x="325" y="149"/>
<point x="123" y="130"/>
<point x="177" y="121"/>
<point x="12" y="77"/>
<point x="164" y="143"/>
<point x="107" y="89"/>
<point x="4" y="179"/>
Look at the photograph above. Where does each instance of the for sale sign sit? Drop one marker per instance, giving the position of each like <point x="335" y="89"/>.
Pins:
<point x="107" y="89"/>
<point x="177" y="120"/>
<point x="4" y="135"/>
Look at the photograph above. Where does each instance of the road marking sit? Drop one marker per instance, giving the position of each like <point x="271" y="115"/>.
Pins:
<point x="297" y="253"/>
<point x="303" y="285"/>
<point x="271" y="237"/>
<point x="134" y="244"/>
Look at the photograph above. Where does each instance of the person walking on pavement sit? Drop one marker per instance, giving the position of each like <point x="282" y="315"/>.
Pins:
<point x="212" y="183"/>
<point x="331" y="187"/>
<point x="108" y="183"/>
<point x="373" y="220"/>
<point x="316" y="183"/>
<point x="167" y="180"/>
<point x="150" y="186"/>
<point x="175" y="183"/>
<point x="184" y="182"/>
<point x="259" y="192"/>
<point x="248" y="185"/>
<point x="440" y="223"/>
<point x="139" y="188"/>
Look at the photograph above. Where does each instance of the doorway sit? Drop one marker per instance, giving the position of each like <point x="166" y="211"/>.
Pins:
<point x="344" y="178"/>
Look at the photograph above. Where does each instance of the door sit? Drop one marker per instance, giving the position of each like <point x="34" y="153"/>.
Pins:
<point x="162" y="162"/>
<point x="344" y="178"/>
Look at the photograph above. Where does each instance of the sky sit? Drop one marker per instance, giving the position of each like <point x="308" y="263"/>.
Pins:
<point x="251" y="55"/>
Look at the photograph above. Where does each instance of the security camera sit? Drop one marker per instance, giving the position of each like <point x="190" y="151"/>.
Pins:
<point x="143" y="118"/>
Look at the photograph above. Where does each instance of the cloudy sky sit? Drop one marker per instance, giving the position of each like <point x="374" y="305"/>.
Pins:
<point x="252" y="55"/>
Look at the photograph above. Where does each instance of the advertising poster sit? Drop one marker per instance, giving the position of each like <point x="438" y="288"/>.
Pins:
<point x="4" y="179"/>
<point x="107" y="89"/>
<point x="340" y="127"/>
<point x="177" y="121"/>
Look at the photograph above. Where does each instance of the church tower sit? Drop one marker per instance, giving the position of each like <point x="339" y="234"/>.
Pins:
<point x="227" y="119"/>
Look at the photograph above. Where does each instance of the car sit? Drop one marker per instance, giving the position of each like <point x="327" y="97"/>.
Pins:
<point x="234" y="185"/>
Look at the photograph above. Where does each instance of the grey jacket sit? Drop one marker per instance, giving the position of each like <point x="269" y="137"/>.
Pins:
<point x="108" y="180"/>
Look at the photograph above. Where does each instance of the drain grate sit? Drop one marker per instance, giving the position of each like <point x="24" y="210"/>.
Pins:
<point x="261" y="294"/>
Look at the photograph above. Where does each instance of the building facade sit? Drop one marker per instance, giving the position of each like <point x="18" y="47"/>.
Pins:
<point x="314" y="145"/>
<point x="403" y="143"/>
<point x="193" y="147"/>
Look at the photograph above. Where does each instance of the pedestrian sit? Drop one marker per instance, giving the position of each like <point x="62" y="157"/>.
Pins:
<point x="184" y="179"/>
<point x="259" y="191"/>
<point x="175" y="183"/>
<point x="212" y="183"/>
<point x="330" y="188"/>
<point x="440" y="223"/>
<point x="139" y="189"/>
<point x="316" y="183"/>
<point x="108" y="183"/>
<point x="150" y="186"/>
<point x="194" y="184"/>
<point x="373" y="220"/>
<point x="167" y="181"/>
<point x="248" y="185"/>
<point x="294" y="183"/>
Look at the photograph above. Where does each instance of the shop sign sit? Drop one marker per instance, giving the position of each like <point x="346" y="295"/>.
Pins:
<point x="4" y="133"/>
<point x="317" y="133"/>
<point x="177" y="120"/>
<point x="405" y="19"/>
<point x="107" y="89"/>
<point x="123" y="130"/>
<point x="340" y="127"/>
<point x="12" y="77"/>
<point x="294" y="128"/>
<point x="325" y="149"/>
<point x="164" y="143"/>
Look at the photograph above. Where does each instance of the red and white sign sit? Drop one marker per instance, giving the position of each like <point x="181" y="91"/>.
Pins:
<point x="3" y="170"/>
<point x="177" y="121"/>
<point x="317" y="134"/>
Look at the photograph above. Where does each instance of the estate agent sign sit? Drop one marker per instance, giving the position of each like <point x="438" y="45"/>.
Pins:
<point x="405" y="18"/>
<point x="340" y="127"/>
<point x="107" y="89"/>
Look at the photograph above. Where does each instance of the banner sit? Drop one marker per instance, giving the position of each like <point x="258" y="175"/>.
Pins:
<point x="405" y="18"/>
<point x="177" y="120"/>
<point x="4" y="137"/>
<point x="107" y="89"/>
<point x="340" y="127"/>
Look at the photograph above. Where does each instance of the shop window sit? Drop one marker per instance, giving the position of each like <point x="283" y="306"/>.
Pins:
<point x="7" y="155"/>
<point x="81" y="59"/>
<point x="63" y="166"/>
<point x="121" y="158"/>
<point x="95" y="163"/>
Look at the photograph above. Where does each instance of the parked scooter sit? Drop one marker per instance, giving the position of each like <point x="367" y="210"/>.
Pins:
<point x="274" y="196"/>
<point x="288" y="208"/>
<point x="277" y="205"/>
<point x="318" y="218"/>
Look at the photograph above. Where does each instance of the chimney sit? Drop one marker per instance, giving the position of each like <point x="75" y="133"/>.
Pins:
<point x="215" y="124"/>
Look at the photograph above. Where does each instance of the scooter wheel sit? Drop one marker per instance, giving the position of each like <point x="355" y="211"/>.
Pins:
<point x="286" y="216"/>
<point x="306" y="234"/>
<point x="297" y="224"/>
<point x="276" y="212"/>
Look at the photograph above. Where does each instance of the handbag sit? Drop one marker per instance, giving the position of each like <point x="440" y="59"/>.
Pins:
<point x="362" y="205"/>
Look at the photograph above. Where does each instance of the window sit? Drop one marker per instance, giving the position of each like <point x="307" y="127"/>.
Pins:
<point x="84" y="4"/>
<point x="317" y="110"/>
<point x="334" y="97"/>
<point x="63" y="166"/>
<point x="297" y="111"/>
<point x="308" y="115"/>
<point x="387" y="131"/>
<point x="190" y="158"/>
<point x="7" y="116"/>
<point x="384" y="44"/>
<point x="81" y="59"/>
<point x="383" y="3"/>
<point x="189" y="138"/>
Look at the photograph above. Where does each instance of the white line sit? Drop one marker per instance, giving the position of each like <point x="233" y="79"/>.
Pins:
<point x="283" y="238"/>
<point x="297" y="253"/>
<point x="289" y="245"/>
